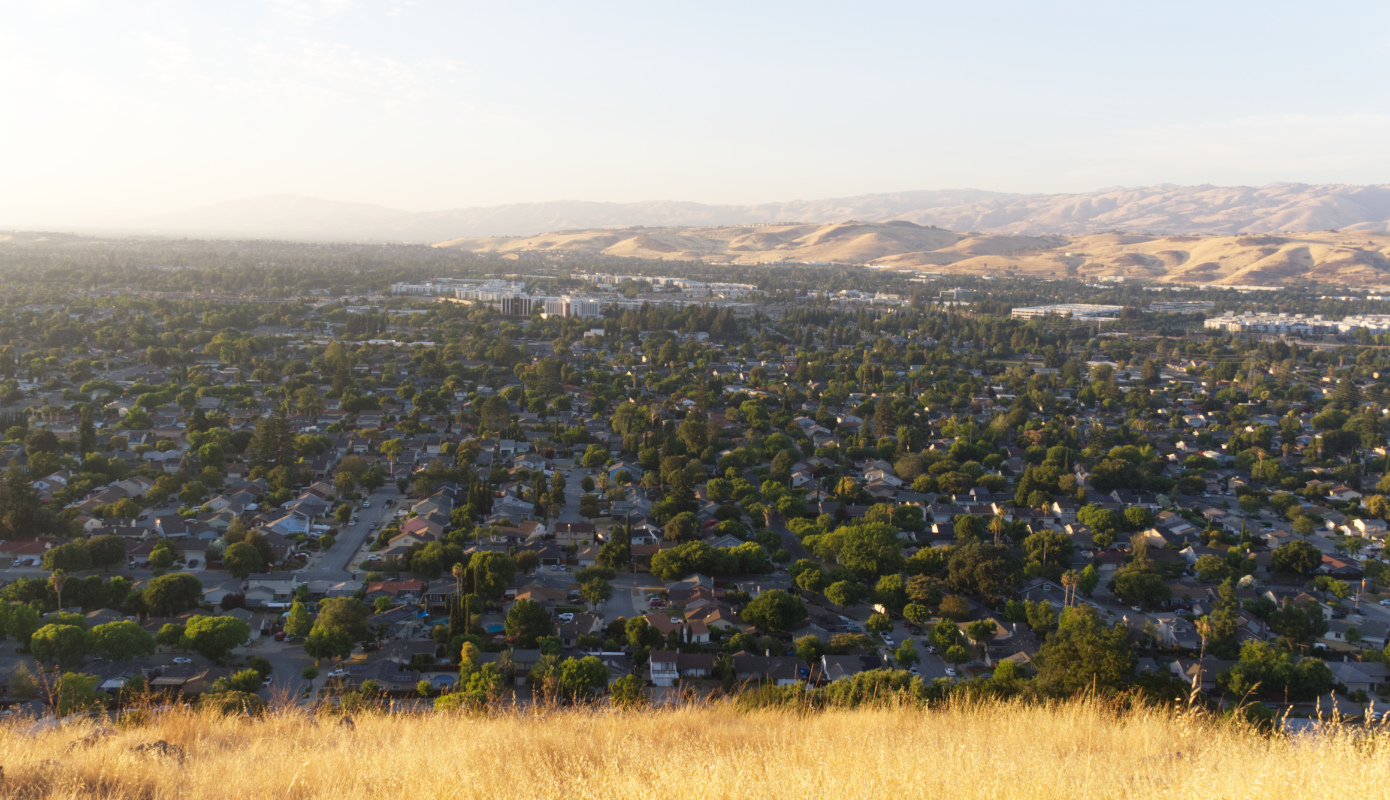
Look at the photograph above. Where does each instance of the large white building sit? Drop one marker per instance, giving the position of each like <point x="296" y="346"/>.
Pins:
<point x="1180" y="307"/>
<point x="1251" y="322"/>
<point x="572" y="307"/>
<point x="1073" y="310"/>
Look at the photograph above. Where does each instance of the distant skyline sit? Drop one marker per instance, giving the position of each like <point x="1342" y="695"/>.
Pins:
<point x="115" y="112"/>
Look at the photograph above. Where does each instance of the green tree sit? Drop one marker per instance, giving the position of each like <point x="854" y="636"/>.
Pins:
<point x="1298" y="623"/>
<point x="242" y="559"/>
<point x="641" y="633"/>
<point x="1138" y="518"/>
<point x="106" y="551"/>
<point x="1090" y="579"/>
<point x="1138" y="584"/>
<point x="65" y="645"/>
<point x="528" y="620"/>
<point x="121" y="641"/>
<point x="1267" y="672"/>
<point x="1296" y="557"/>
<point x="982" y="569"/>
<point x="809" y="649"/>
<point x="170" y="635"/>
<point x="917" y="613"/>
<point x="492" y="573"/>
<point x="870" y="550"/>
<point x="272" y="445"/>
<point x="214" y="638"/>
<point x="70" y="557"/>
<point x="298" y="623"/>
<point x="162" y="557"/>
<point x="845" y="593"/>
<point x="247" y="680"/>
<point x="969" y="528"/>
<point x="595" y="591"/>
<point x="1083" y="654"/>
<point x="23" y="620"/>
<point x="980" y="632"/>
<point x="328" y="643"/>
<point x="583" y="677"/>
<point x="346" y="614"/>
<point x="906" y="654"/>
<point x="76" y="692"/>
<point x="1041" y="616"/>
<point x="878" y="623"/>
<point x="627" y="692"/>
<point x="775" y="611"/>
<point x="1049" y="547"/>
<point x="1211" y="569"/>
<point x="169" y="595"/>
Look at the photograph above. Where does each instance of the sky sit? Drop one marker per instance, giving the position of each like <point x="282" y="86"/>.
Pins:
<point x="116" y="109"/>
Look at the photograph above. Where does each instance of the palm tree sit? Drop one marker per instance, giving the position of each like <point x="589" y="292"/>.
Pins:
<point x="392" y="449"/>
<point x="458" y="579"/>
<point x="1070" y="580"/>
<point x="1204" y="630"/>
<point x="996" y="525"/>
<point x="57" y="578"/>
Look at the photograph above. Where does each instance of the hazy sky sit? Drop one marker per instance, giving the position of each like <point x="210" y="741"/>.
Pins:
<point x="117" y="109"/>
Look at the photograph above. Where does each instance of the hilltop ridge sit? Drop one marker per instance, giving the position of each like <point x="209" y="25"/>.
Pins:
<point x="1334" y="257"/>
<point x="1158" y="209"/>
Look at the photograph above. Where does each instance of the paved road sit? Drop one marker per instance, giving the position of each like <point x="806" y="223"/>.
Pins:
<point x="340" y="562"/>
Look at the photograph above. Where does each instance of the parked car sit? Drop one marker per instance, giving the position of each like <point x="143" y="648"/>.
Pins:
<point x="1136" y="608"/>
<point x="888" y="640"/>
<point x="279" y="636"/>
<point x="193" y="563"/>
<point x="950" y="672"/>
<point x="1385" y="602"/>
<point x="568" y="616"/>
<point x="182" y="660"/>
<point x="366" y="504"/>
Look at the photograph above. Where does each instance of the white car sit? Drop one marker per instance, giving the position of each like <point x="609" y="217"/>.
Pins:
<point x="1136" y="608"/>
<point x="676" y="620"/>
<point x="566" y="617"/>
<point x="888" y="640"/>
<point x="182" y="660"/>
<point x="366" y="504"/>
<point x="950" y="672"/>
<point x="338" y="673"/>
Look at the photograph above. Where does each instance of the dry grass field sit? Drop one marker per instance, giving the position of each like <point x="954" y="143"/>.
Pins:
<point x="1073" y="750"/>
<point x="1344" y="258"/>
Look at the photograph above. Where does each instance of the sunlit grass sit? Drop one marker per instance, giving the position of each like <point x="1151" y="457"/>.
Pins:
<point x="1004" y="750"/>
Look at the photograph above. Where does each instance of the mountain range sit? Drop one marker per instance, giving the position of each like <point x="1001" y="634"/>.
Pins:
<point x="1345" y="258"/>
<point x="1161" y="209"/>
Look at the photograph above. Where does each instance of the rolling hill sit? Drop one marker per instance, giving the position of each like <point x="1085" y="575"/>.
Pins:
<point x="1332" y="257"/>
<point x="1162" y="209"/>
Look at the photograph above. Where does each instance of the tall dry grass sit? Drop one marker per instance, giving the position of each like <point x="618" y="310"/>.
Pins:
<point x="1002" y="750"/>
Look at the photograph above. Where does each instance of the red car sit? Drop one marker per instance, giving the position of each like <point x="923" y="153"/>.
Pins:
<point x="279" y="636"/>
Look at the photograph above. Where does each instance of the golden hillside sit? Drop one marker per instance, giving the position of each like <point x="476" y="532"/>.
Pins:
<point x="1071" y="750"/>
<point x="1331" y="257"/>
